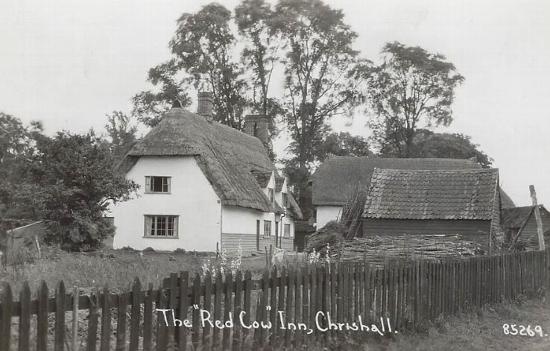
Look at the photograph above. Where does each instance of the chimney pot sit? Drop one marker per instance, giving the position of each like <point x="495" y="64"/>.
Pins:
<point x="258" y="126"/>
<point x="205" y="104"/>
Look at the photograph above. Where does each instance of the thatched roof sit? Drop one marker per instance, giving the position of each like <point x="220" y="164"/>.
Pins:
<point x="429" y="194"/>
<point x="235" y="163"/>
<point x="339" y="177"/>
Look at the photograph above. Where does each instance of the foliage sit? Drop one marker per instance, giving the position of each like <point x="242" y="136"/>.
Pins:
<point x="77" y="181"/>
<point x="202" y="50"/>
<point x="444" y="145"/>
<point x="169" y="88"/>
<point x="342" y="144"/>
<point x="409" y="88"/>
<point x="318" y="63"/>
<point x="223" y="262"/>
<point x="260" y="56"/>
<point x="17" y="147"/>
<point x="122" y="133"/>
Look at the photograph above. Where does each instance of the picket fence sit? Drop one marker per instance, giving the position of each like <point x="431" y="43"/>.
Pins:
<point x="409" y="294"/>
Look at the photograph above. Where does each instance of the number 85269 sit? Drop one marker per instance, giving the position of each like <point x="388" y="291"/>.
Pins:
<point x="518" y="329"/>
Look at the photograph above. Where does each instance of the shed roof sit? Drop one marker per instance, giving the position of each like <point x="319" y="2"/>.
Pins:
<point x="432" y="194"/>
<point x="235" y="163"/>
<point x="339" y="176"/>
<point x="515" y="218"/>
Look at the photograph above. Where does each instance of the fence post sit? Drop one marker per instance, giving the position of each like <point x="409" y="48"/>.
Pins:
<point x="92" y="320"/>
<point x="42" y="318"/>
<point x="135" y="315"/>
<point x="75" y="318"/>
<point x="59" y="317"/>
<point x="5" y="317"/>
<point x="24" y="317"/>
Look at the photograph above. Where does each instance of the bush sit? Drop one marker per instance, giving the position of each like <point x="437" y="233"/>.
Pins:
<point x="331" y="234"/>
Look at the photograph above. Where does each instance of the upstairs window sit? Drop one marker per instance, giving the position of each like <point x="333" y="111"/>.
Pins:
<point x="161" y="226"/>
<point x="270" y="194"/>
<point x="267" y="228"/>
<point x="285" y="200"/>
<point x="286" y="231"/>
<point x="155" y="184"/>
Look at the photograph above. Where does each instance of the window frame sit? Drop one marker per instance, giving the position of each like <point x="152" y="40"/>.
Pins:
<point x="147" y="226"/>
<point x="149" y="184"/>
<point x="271" y="194"/>
<point x="267" y="224"/>
<point x="285" y="199"/>
<point x="285" y="233"/>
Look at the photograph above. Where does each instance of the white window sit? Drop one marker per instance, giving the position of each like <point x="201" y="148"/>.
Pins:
<point x="161" y="226"/>
<point x="270" y="194"/>
<point x="267" y="228"/>
<point x="286" y="231"/>
<point x="154" y="184"/>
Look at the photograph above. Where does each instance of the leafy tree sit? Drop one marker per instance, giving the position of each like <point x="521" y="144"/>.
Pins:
<point x="122" y="133"/>
<point x="410" y="88"/>
<point x="169" y="89"/>
<point x="342" y="144"/>
<point x="319" y="82"/>
<point x="202" y="50"/>
<point x="77" y="180"/>
<point x="260" y="56"/>
<point x="444" y="145"/>
<point x="17" y="147"/>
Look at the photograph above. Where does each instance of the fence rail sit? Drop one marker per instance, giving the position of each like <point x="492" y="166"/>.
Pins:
<point x="404" y="295"/>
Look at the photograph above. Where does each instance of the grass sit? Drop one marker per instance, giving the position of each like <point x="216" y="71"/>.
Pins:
<point x="474" y="331"/>
<point x="115" y="268"/>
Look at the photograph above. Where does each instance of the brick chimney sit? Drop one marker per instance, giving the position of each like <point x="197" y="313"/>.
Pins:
<point x="204" y="104"/>
<point x="258" y="126"/>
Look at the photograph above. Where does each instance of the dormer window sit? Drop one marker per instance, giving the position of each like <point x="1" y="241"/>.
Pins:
<point x="285" y="200"/>
<point x="156" y="184"/>
<point x="270" y="194"/>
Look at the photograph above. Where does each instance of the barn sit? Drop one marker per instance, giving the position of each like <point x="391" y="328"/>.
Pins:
<point x="339" y="177"/>
<point x="419" y="202"/>
<point x="520" y="225"/>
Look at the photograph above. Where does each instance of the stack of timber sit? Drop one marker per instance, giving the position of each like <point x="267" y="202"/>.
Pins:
<point x="378" y="250"/>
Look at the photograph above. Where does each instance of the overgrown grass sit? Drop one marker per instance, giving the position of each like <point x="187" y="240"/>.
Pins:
<point x="482" y="330"/>
<point x="115" y="268"/>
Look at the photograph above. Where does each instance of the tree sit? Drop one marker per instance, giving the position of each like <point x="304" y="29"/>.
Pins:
<point x="409" y="89"/>
<point x="444" y="145"/>
<point x="150" y="105"/>
<point x="17" y="147"/>
<point x="77" y="179"/>
<point x="122" y="133"/>
<point x="319" y="83"/>
<point x="260" y="56"/>
<point x="342" y="144"/>
<point x="202" y="56"/>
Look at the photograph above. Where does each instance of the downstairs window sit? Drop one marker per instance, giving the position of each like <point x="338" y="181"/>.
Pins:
<point x="161" y="226"/>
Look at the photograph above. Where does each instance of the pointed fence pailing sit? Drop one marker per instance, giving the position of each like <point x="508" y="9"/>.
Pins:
<point x="281" y="307"/>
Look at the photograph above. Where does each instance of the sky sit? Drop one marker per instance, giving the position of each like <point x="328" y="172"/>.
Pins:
<point x="68" y="63"/>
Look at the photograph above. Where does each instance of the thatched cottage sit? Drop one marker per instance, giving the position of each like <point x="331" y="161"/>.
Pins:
<point x="337" y="180"/>
<point x="204" y="185"/>
<point x="419" y="202"/>
<point x="520" y="225"/>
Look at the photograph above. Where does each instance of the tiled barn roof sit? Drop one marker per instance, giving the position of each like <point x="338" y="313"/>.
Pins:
<point x="432" y="194"/>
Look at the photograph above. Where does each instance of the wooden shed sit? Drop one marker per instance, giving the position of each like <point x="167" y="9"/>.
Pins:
<point x="520" y="225"/>
<point x="420" y="202"/>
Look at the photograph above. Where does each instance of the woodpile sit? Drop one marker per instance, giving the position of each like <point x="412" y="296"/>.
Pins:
<point x="378" y="250"/>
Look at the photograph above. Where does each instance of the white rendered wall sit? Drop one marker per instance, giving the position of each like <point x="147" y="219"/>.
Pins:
<point x="326" y="214"/>
<point x="191" y="198"/>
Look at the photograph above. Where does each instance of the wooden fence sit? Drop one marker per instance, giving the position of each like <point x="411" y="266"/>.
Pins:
<point x="408" y="294"/>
